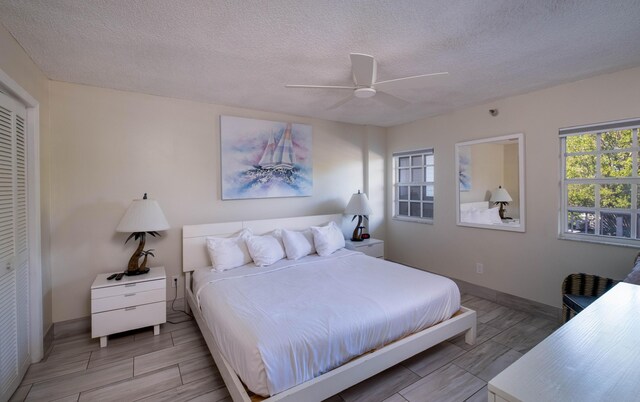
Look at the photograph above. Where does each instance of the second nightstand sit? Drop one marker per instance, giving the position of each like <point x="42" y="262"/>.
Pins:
<point x="371" y="247"/>
<point x="133" y="302"/>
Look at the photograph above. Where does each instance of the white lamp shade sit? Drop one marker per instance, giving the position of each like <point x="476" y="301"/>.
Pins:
<point x="143" y="216"/>
<point x="500" y="195"/>
<point x="358" y="205"/>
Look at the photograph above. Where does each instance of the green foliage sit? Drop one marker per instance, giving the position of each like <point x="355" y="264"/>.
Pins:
<point x="581" y="167"/>
<point x="581" y="195"/>
<point x="617" y="164"/>
<point x="616" y="140"/>
<point x="615" y="196"/>
<point x="581" y="143"/>
<point x="612" y="165"/>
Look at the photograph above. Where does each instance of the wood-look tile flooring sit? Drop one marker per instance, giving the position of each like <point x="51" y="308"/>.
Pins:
<point x="176" y="365"/>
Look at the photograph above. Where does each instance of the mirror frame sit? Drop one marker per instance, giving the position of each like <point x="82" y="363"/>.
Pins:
<point x="521" y="178"/>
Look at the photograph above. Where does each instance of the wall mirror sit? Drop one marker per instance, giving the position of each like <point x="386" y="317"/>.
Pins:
<point x="490" y="183"/>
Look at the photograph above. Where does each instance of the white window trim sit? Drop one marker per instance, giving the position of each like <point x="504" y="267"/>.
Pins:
<point x="394" y="186"/>
<point x="633" y="241"/>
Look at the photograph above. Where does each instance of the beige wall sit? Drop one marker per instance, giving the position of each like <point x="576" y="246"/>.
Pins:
<point x="15" y="63"/>
<point x="530" y="264"/>
<point x="111" y="146"/>
<point x="487" y="172"/>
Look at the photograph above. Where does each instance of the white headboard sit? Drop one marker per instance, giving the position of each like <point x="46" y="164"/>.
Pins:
<point x="194" y="249"/>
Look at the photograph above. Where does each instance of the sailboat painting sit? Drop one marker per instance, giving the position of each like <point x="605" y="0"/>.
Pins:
<point x="265" y="159"/>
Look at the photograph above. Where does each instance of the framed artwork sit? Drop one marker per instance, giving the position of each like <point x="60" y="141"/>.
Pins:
<point x="464" y="168"/>
<point x="265" y="159"/>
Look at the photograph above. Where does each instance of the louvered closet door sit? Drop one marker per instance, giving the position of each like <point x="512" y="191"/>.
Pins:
<point x="14" y="267"/>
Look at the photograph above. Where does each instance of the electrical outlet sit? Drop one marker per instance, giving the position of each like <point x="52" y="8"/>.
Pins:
<point x="479" y="268"/>
<point x="174" y="281"/>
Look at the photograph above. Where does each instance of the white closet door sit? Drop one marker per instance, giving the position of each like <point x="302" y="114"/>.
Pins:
<point x="14" y="266"/>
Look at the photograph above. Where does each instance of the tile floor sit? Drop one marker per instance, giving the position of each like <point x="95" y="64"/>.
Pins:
<point x="176" y="365"/>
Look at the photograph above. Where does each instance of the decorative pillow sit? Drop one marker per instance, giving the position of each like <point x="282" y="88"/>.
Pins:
<point x="266" y="249"/>
<point x="229" y="252"/>
<point x="298" y="244"/>
<point x="327" y="239"/>
<point x="634" y="275"/>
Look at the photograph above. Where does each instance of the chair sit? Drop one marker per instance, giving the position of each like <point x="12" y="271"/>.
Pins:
<point x="580" y="290"/>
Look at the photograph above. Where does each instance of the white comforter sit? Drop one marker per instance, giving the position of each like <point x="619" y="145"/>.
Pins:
<point x="285" y="324"/>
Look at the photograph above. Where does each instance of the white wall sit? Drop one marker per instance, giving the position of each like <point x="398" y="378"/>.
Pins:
<point x="112" y="146"/>
<point x="530" y="264"/>
<point x="17" y="64"/>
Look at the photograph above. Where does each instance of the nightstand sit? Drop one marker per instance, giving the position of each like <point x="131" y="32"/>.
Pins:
<point x="371" y="247"/>
<point x="133" y="302"/>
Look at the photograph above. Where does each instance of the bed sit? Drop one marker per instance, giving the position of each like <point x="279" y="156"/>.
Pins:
<point x="334" y="345"/>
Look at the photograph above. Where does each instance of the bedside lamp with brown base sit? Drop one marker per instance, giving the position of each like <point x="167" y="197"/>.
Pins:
<point x="141" y="218"/>
<point x="358" y="207"/>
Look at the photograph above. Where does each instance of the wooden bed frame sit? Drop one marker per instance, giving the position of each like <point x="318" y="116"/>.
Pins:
<point x="194" y="255"/>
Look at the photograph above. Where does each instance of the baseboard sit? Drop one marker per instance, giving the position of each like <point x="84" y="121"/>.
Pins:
<point x="63" y="329"/>
<point x="47" y="341"/>
<point x="506" y="299"/>
<point x="509" y="300"/>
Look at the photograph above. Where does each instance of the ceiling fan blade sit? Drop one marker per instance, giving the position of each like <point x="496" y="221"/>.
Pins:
<point x="340" y="103"/>
<point x="416" y="81"/>
<point x="364" y="69"/>
<point x="320" y="86"/>
<point x="391" y="100"/>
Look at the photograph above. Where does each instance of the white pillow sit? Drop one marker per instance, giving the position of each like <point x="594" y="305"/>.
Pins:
<point x="229" y="252"/>
<point x="468" y="214"/>
<point x="266" y="249"/>
<point x="327" y="239"/>
<point x="298" y="244"/>
<point x="489" y="216"/>
<point x="494" y="215"/>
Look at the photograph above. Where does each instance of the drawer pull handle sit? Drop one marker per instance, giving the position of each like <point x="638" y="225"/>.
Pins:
<point x="129" y="308"/>
<point x="129" y="294"/>
<point x="129" y="285"/>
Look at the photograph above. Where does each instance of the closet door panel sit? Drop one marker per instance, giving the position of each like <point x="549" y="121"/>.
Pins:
<point x="8" y="333"/>
<point x="14" y="263"/>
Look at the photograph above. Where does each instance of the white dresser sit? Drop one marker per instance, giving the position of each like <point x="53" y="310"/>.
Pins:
<point x="132" y="302"/>
<point x="371" y="247"/>
<point x="593" y="357"/>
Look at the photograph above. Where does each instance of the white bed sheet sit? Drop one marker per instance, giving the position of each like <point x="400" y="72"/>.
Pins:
<point x="285" y="324"/>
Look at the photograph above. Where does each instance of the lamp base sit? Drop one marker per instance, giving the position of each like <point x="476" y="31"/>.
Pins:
<point x="358" y="239"/>
<point x="139" y="271"/>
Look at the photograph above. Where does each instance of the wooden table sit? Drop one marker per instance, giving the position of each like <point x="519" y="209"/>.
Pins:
<point x="593" y="357"/>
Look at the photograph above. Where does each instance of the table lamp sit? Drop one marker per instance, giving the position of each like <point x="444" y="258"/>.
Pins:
<point x="141" y="218"/>
<point x="358" y="206"/>
<point x="500" y="196"/>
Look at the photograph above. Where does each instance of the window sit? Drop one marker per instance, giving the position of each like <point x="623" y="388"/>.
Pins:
<point x="600" y="183"/>
<point x="413" y="185"/>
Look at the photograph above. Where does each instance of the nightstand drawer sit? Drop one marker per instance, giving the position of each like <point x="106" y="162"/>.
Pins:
<point x="110" y="322"/>
<point x="373" y="250"/>
<point x="127" y="300"/>
<point x="126" y="288"/>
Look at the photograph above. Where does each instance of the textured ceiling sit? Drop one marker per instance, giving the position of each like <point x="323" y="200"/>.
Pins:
<point x="241" y="53"/>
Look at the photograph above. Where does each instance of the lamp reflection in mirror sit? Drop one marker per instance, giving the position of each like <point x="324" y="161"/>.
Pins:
<point x="358" y="207"/>
<point x="501" y="197"/>
<point x="141" y="218"/>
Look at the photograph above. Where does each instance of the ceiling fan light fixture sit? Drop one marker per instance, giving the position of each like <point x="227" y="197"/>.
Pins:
<point x="364" y="93"/>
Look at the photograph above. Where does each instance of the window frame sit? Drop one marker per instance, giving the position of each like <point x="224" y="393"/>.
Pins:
<point x="396" y="168"/>
<point x="598" y="180"/>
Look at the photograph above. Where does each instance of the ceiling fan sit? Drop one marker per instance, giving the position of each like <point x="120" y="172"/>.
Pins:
<point x="364" y="69"/>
